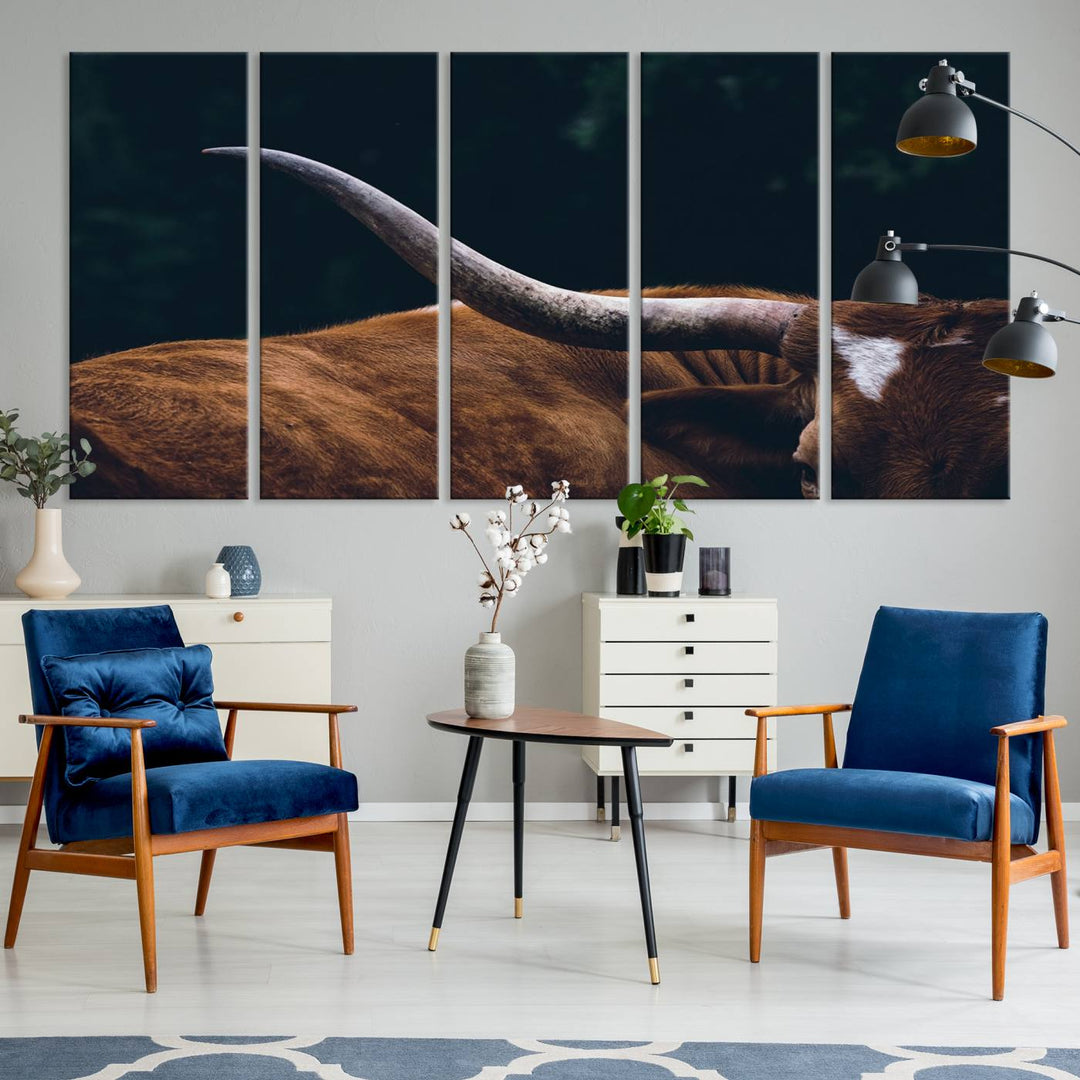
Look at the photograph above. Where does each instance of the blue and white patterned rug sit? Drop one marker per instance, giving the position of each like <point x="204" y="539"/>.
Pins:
<point x="284" y="1058"/>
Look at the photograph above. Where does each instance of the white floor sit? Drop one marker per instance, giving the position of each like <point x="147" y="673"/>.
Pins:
<point x="911" y="966"/>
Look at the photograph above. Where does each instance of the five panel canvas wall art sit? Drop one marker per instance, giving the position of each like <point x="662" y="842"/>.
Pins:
<point x="348" y="244"/>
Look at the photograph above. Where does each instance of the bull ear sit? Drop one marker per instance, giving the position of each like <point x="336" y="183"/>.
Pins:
<point x="742" y="438"/>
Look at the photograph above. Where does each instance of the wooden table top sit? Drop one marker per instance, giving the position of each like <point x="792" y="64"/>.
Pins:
<point x="531" y="724"/>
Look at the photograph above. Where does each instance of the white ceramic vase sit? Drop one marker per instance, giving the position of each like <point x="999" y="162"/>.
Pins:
<point x="218" y="582"/>
<point x="48" y="575"/>
<point x="489" y="678"/>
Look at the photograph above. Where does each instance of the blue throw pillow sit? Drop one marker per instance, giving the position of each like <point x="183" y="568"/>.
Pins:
<point x="172" y="686"/>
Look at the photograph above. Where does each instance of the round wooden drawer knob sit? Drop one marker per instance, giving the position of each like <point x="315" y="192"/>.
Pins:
<point x="238" y="616"/>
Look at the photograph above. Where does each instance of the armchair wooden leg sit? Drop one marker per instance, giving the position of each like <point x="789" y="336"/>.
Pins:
<point x="343" y="866"/>
<point x="1000" y="870"/>
<point x="757" y="888"/>
<point x="27" y="841"/>
<point x="1055" y="829"/>
<point x="144" y="861"/>
<point x="839" y="858"/>
<point x="206" y="871"/>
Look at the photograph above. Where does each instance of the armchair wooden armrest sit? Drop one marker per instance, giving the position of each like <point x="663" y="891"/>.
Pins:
<point x="280" y="706"/>
<point x="330" y="711"/>
<point x="797" y="710"/>
<point x="761" y="747"/>
<point x="1029" y="727"/>
<point x="87" y="721"/>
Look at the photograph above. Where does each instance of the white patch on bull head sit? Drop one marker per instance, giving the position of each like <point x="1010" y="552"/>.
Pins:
<point x="871" y="361"/>
<point x="1002" y="400"/>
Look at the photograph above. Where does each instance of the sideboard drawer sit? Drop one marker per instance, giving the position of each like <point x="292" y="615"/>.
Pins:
<point x="709" y="757"/>
<point x="691" y="723"/>
<point x="686" y="690"/>
<point x="690" y="657"/>
<point x="688" y="620"/>
<point x="214" y="621"/>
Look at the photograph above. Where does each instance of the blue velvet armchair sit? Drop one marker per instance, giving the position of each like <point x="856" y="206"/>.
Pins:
<point x="132" y="763"/>
<point x="947" y="751"/>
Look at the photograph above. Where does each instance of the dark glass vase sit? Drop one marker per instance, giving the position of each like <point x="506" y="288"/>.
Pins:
<point x="664" y="555"/>
<point x="630" y="571"/>
<point x="714" y="571"/>
<point x="244" y="573"/>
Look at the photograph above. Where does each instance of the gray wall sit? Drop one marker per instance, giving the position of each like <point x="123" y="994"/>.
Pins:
<point x="402" y="583"/>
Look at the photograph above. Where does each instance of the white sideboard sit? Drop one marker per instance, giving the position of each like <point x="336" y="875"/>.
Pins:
<point x="266" y="648"/>
<point x="687" y="666"/>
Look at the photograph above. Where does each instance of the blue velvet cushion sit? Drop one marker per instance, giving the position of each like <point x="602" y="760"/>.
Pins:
<point x="208" y="795"/>
<point x="883" y="799"/>
<point x="933" y="684"/>
<point x="172" y="686"/>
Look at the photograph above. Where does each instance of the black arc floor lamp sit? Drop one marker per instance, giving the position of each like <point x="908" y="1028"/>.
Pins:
<point x="1024" y="348"/>
<point x="941" y="124"/>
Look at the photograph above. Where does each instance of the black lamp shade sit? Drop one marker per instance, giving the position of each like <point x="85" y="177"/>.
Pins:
<point x="886" y="281"/>
<point x="937" y="125"/>
<point x="1024" y="349"/>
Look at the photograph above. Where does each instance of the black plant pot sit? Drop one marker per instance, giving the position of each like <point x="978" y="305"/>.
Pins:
<point x="664" y="554"/>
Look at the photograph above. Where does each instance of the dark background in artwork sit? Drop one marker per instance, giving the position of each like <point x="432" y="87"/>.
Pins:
<point x="373" y="115"/>
<point x="158" y="249"/>
<point x="729" y="170"/>
<point x="539" y="163"/>
<point x="962" y="200"/>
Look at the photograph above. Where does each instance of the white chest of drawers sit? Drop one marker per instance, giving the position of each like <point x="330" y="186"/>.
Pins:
<point x="686" y="666"/>
<point x="277" y="650"/>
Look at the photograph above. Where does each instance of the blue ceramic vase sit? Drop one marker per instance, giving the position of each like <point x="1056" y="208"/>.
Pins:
<point x="244" y="573"/>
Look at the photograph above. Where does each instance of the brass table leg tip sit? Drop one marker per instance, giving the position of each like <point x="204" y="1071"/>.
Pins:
<point x="519" y="907"/>
<point x="433" y="940"/>
<point x="654" y="971"/>
<point x="600" y="814"/>
<point x="616" y="831"/>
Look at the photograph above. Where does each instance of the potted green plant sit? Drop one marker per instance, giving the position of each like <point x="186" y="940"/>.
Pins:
<point x="653" y="509"/>
<point x="39" y="466"/>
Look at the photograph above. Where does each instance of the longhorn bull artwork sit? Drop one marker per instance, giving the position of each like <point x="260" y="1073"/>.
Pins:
<point x="728" y="376"/>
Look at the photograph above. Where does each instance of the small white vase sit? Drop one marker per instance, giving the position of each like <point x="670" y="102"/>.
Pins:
<point x="218" y="582"/>
<point x="489" y="679"/>
<point x="48" y="575"/>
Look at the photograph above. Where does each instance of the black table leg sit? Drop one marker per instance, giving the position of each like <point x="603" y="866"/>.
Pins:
<point x="519" y="825"/>
<point x="731" y="798"/>
<point x="600" y="798"/>
<point x="468" y="778"/>
<point x="637" y="827"/>
<point x="615" y="800"/>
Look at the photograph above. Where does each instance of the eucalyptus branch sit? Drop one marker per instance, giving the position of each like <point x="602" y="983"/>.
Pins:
<point x="48" y="462"/>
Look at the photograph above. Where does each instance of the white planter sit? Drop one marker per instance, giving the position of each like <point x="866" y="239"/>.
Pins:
<point x="218" y="582"/>
<point x="48" y="575"/>
<point x="489" y="678"/>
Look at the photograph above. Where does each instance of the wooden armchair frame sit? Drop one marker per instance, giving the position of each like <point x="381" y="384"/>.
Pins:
<point x="1009" y="862"/>
<point x="132" y="857"/>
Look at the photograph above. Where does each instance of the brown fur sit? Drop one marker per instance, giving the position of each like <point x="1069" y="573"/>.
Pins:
<point x="351" y="411"/>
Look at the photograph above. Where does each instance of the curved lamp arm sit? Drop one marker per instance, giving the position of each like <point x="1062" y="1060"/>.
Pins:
<point x="1016" y="112"/>
<point x="991" y="250"/>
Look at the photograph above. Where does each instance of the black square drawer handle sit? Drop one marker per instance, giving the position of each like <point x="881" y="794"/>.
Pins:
<point x="689" y="650"/>
<point x="688" y="747"/>
<point x="688" y="683"/>
<point x="689" y="616"/>
<point x="688" y="715"/>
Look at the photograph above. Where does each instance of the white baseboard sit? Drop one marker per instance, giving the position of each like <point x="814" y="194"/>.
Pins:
<point x="12" y="814"/>
<point x="542" y="811"/>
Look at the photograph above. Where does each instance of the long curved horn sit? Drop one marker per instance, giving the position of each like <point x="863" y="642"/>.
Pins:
<point x="534" y="307"/>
